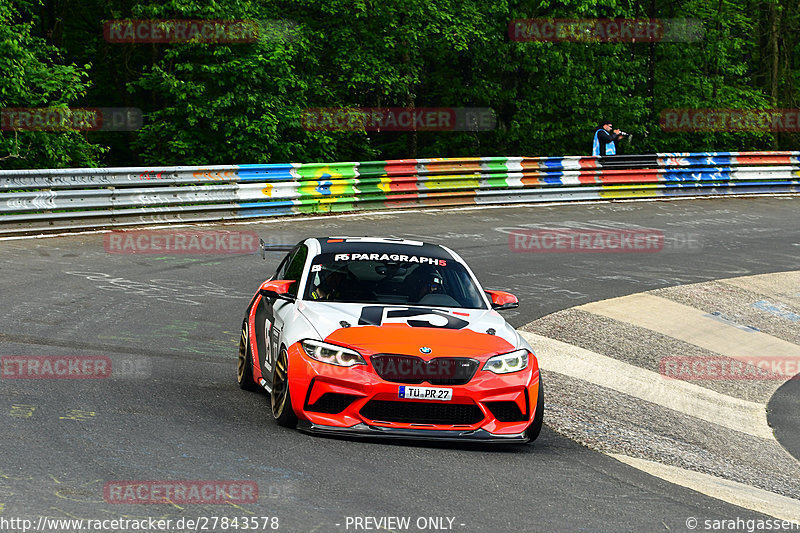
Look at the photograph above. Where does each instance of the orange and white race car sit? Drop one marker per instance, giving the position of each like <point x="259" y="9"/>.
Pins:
<point x="389" y="337"/>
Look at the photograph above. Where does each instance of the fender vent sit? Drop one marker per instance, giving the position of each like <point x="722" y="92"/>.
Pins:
<point x="332" y="403"/>
<point x="506" y="411"/>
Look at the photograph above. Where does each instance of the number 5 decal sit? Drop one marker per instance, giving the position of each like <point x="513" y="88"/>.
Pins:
<point x="376" y="315"/>
<point x="267" y="345"/>
<point x="273" y="344"/>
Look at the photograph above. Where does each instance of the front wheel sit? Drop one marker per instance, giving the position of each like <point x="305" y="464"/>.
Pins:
<point x="280" y="399"/>
<point x="536" y="426"/>
<point x="244" y="374"/>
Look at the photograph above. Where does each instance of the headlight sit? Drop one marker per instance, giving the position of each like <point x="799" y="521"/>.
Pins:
<point x="508" y="362"/>
<point x="332" y="354"/>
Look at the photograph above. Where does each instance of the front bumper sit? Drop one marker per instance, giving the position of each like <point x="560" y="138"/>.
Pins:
<point x="475" y="404"/>
<point x="366" y="431"/>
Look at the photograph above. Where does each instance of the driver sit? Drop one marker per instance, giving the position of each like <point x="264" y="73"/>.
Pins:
<point x="431" y="282"/>
<point x="330" y="286"/>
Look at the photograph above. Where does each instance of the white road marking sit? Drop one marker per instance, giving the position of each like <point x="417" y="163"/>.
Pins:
<point x="693" y="326"/>
<point x="688" y="398"/>
<point x="696" y="327"/>
<point x="759" y="500"/>
<point x="779" y="285"/>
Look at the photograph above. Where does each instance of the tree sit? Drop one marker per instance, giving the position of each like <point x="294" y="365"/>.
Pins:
<point x="33" y="75"/>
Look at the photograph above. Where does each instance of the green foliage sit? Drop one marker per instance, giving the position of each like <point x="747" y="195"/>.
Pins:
<point x="217" y="103"/>
<point x="32" y="75"/>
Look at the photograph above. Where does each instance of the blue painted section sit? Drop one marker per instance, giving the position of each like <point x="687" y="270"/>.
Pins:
<point x="778" y="309"/>
<point x="674" y="174"/>
<point x="276" y="172"/>
<point x="553" y="178"/>
<point x="722" y="183"/>
<point x="728" y="189"/>
<point x="268" y="203"/>
<point x="698" y="159"/>
<point x="265" y="210"/>
<point x="556" y="163"/>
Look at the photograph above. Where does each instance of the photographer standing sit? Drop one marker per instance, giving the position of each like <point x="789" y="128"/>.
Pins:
<point x="603" y="143"/>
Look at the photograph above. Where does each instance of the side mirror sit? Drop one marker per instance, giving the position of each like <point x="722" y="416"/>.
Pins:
<point x="276" y="289"/>
<point x="502" y="300"/>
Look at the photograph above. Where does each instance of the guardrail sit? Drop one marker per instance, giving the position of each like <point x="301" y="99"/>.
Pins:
<point x="38" y="201"/>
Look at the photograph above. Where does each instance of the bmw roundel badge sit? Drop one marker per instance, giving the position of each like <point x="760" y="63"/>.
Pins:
<point x="425" y="350"/>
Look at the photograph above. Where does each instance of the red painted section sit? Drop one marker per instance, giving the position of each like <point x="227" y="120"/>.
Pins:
<point x="279" y="286"/>
<point x="754" y="159"/>
<point x="401" y="167"/>
<point x="251" y="321"/>
<point x="501" y="297"/>
<point x="639" y="175"/>
<point x="443" y="167"/>
<point x="532" y="181"/>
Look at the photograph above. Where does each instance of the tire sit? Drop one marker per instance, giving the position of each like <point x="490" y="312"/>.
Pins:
<point x="280" y="400"/>
<point x="536" y="426"/>
<point x="244" y="370"/>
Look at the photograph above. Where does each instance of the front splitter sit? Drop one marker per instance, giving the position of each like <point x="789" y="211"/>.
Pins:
<point x="367" y="431"/>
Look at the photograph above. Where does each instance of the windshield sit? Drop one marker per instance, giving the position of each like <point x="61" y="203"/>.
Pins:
<point x="445" y="284"/>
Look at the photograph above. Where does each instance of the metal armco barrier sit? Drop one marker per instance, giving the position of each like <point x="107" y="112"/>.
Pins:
<point x="39" y="201"/>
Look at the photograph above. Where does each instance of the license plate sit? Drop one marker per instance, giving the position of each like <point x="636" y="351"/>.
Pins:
<point x="425" y="393"/>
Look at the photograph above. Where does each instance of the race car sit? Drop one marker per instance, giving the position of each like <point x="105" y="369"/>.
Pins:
<point x="385" y="337"/>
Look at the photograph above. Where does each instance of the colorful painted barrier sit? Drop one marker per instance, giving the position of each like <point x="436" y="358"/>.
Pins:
<point x="36" y="201"/>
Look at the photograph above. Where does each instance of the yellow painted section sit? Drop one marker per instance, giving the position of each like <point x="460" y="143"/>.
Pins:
<point x="449" y="181"/>
<point x="384" y="184"/>
<point x="338" y="188"/>
<point x="22" y="411"/>
<point x="78" y="414"/>
<point x="628" y="191"/>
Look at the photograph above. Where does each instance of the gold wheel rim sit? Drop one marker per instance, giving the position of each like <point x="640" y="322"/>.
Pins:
<point x="280" y="388"/>
<point x="242" y="355"/>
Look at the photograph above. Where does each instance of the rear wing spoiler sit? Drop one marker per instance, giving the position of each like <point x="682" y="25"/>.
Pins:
<point x="269" y="247"/>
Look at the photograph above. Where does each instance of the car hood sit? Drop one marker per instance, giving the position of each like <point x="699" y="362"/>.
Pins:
<point x="411" y="329"/>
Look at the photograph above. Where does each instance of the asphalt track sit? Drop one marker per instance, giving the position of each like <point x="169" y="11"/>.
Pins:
<point x="784" y="415"/>
<point x="173" y="322"/>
